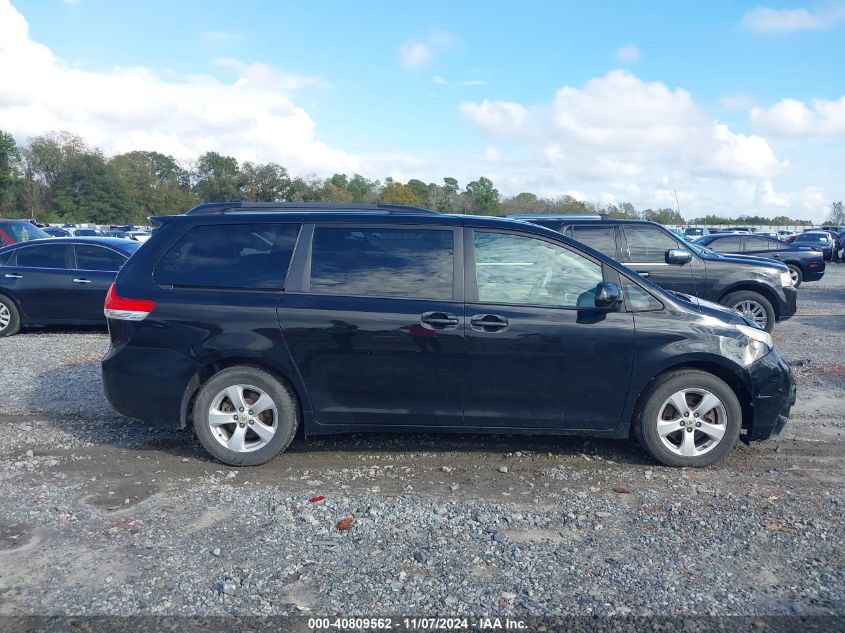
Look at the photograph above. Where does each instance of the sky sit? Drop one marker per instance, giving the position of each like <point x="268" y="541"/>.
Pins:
<point x="739" y="107"/>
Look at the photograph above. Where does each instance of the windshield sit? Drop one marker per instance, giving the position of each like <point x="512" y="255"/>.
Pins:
<point x="23" y="231"/>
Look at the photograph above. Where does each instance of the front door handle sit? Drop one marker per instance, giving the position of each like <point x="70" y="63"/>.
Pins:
<point x="13" y="276"/>
<point x="81" y="280"/>
<point x="643" y="273"/>
<point x="488" y="323"/>
<point x="438" y="320"/>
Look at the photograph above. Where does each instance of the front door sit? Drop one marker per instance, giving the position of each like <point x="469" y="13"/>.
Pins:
<point x="539" y="354"/>
<point x="645" y="251"/>
<point x="376" y="327"/>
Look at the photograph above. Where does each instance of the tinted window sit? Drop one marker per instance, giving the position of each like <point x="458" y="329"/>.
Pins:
<point x="230" y="256"/>
<point x="97" y="258"/>
<point x="804" y="237"/>
<point x="648" y="243"/>
<point x="638" y="300"/>
<point x="524" y="270"/>
<point x="759" y="244"/>
<point x="601" y="238"/>
<point x="411" y="263"/>
<point x="44" y="256"/>
<point x="727" y="244"/>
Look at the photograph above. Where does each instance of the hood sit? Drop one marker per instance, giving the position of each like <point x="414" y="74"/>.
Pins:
<point x="747" y="259"/>
<point x="714" y="310"/>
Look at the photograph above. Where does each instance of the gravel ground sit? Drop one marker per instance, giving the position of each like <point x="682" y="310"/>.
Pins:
<point x="100" y="514"/>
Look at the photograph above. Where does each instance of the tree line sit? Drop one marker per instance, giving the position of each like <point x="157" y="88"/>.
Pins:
<point x="58" y="177"/>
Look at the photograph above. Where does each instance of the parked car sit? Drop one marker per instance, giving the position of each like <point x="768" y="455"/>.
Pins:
<point x="692" y="232"/>
<point x="60" y="280"/>
<point x="804" y="263"/>
<point x="139" y="236"/>
<point x="123" y="235"/>
<point x="249" y="320"/>
<point x="818" y="240"/>
<point x="85" y="232"/>
<point x="55" y="231"/>
<point x="14" y="231"/>
<point x="783" y="234"/>
<point x="759" y="288"/>
<point x="740" y="229"/>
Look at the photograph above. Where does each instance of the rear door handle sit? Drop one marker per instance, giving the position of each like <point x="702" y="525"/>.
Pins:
<point x="13" y="276"/>
<point x="81" y="280"/>
<point x="438" y="320"/>
<point x="643" y="273"/>
<point x="488" y="323"/>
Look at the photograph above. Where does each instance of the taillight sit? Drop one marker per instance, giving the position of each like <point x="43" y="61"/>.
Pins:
<point x="118" y="307"/>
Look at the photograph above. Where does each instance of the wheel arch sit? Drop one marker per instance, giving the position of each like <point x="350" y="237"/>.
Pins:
<point x="210" y="369"/>
<point x="759" y="288"/>
<point x="14" y="300"/>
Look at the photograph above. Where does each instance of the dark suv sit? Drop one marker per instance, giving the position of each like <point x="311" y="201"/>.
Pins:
<point x="759" y="288"/>
<point x="248" y="320"/>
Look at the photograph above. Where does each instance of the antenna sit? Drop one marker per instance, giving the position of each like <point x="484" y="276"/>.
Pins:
<point x="677" y="204"/>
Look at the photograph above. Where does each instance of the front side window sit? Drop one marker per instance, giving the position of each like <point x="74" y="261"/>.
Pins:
<point x="523" y="270"/>
<point x="44" y="256"/>
<point x="97" y="258"/>
<point x="244" y="256"/>
<point x="648" y="244"/>
<point x="638" y="300"/>
<point x="383" y="262"/>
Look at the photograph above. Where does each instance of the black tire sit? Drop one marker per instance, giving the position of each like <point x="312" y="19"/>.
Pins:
<point x="734" y="299"/>
<point x="646" y="417"/>
<point x="286" y="420"/>
<point x="14" y="324"/>
<point x="797" y="275"/>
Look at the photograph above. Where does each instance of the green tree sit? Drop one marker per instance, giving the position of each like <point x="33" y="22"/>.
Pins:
<point x="89" y="189"/>
<point x="218" y="178"/>
<point x="11" y="176"/>
<point x="155" y="184"/>
<point x="484" y="195"/>
<point x="265" y="183"/>
<point x="362" y="189"/>
<point x="664" y="216"/>
<point x="397" y="193"/>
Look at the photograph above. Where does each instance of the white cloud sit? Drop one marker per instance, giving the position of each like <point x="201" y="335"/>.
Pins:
<point x="794" y="118"/>
<point x="415" y="54"/>
<point x="629" y="54"/>
<point x="492" y="154"/>
<point x="773" y="21"/>
<point x="496" y="117"/>
<point x="252" y="118"/>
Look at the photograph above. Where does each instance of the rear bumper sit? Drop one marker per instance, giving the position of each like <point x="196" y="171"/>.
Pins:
<point x="787" y="304"/>
<point x="147" y="384"/>
<point x="773" y="394"/>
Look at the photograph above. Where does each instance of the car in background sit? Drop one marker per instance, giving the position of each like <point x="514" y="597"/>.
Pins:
<point x="804" y="263"/>
<point x="123" y="235"/>
<point x="58" y="280"/>
<point x="818" y="240"/>
<point x="14" y="231"/>
<point x="139" y="236"/>
<point x="740" y="229"/>
<point x="250" y="321"/>
<point x="692" y="232"/>
<point x="85" y="232"/>
<point x="56" y="231"/>
<point x="784" y="233"/>
<point x="759" y="288"/>
<point x="832" y="228"/>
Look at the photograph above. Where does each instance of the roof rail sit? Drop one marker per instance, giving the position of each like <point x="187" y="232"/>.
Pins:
<point x="556" y="216"/>
<point x="228" y="207"/>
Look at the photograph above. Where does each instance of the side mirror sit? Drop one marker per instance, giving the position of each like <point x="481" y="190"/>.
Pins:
<point x="678" y="256"/>
<point x="608" y="295"/>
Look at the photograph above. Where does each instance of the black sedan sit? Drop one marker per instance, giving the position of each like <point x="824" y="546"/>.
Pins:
<point x="58" y="281"/>
<point x="805" y="264"/>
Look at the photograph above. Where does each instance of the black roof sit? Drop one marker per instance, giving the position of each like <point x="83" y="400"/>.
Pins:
<point x="234" y="207"/>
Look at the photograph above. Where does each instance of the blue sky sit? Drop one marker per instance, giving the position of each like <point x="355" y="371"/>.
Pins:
<point x="739" y="106"/>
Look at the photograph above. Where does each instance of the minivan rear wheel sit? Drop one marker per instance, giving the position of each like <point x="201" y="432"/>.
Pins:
<point x="689" y="418"/>
<point x="244" y="416"/>
<point x="752" y="305"/>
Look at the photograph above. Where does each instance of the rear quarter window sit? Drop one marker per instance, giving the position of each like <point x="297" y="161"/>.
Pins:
<point x="243" y="256"/>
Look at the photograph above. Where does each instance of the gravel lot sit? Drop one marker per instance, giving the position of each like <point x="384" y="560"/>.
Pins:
<point x="100" y="514"/>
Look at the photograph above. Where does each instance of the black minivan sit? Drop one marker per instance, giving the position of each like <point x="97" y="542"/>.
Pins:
<point x="247" y="320"/>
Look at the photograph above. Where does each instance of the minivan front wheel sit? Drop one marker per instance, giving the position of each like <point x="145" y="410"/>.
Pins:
<point x="753" y="306"/>
<point x="689" y="418"/>
<point x="243" y="416"/>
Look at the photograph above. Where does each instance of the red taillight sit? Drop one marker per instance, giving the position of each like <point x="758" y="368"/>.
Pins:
<point x="117" y="307"/>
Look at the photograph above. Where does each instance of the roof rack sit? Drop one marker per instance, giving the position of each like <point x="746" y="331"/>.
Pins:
<point x="556" y="216"/>
<point x="227" y="207"/>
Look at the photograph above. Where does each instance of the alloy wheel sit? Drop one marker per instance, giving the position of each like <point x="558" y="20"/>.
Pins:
<point x="243" y="418"/>
<point x="5" y="317"/>
<point x="752" y="310"/>
<point x="793" y="275"/>
<point x="692" y="422"/>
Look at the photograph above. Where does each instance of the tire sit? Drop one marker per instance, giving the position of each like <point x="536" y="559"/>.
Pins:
<point x="796" y="274"/>
<point x="10" y="318"/>
<point x="260" y="433"/>
<point x="671" y="446"/>
<point x="755" y="302"/>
